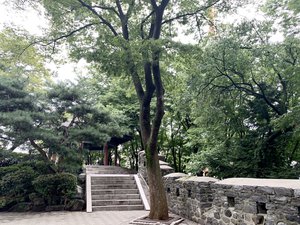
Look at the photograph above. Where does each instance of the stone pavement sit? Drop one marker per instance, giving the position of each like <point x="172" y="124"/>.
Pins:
<point x="74" y="218"/>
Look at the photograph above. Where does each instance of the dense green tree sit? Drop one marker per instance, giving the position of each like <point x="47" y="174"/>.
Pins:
<point x="249" y="85"/>
<point x="53" y="124"/>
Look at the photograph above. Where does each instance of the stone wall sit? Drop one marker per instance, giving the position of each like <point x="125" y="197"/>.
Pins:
<point x="236" y="201"/>
<point x="189" y="197"/>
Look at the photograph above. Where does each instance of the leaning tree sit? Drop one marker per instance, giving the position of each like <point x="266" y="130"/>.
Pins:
<point x="129" y="37"/>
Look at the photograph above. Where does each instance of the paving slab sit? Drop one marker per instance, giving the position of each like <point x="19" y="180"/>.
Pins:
<point x="74" y="218"/>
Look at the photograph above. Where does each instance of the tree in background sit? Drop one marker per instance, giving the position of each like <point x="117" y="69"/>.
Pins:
<point x="53" y="124"/>
<point x="16" y="62"/>
<point x="249" y="87"/>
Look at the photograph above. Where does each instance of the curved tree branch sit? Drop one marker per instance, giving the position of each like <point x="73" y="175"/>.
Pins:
<point x="188" y="14"/>
<point x="107" y="8"/>
<point x="263" y="95"/>
<point x="39" y="149"/>
<point x="54" y="40"/>
<point x="104" y="21"/>
<point x="142" y="24"/>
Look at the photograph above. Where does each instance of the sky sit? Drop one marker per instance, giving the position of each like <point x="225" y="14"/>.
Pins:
<point x="35" y="23"/>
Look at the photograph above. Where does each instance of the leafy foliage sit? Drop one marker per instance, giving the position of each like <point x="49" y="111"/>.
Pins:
<point x="56" y="188"/>
<point x="248" y="92"/>
<point x="21" y="60"/>
<point x="54" y="123"/>
<point x="17" y="183"/>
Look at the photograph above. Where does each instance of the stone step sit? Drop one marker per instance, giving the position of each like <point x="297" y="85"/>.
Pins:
<point x="118" y="208"/>
<point x="115" y="196"/>
<point x="116" y="202"/>
<point x="113" y="177"/>
<point x="114" y="191"/>
<point x="103" y="167"/>
<point x="111" y="182"/>
<point x="107" y="169"/>
<point x="113" y="186"/>
<point x="108" y="172"/>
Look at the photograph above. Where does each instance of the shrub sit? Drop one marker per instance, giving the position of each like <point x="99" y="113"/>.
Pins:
<point x="41" y="167"/>
<point x="56" y="188"/>
<point x="17" y="182"/>
<point x="7" y="158"/>
<point x="8" y="169"/>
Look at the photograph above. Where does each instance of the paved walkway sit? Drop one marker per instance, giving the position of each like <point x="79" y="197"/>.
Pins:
<point x="74" y="218"/>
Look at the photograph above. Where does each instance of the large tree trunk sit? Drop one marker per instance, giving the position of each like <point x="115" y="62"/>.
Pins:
<point x="150" y="131"/>
<point x="158" y="200"/>
<point x="152" y="84"/>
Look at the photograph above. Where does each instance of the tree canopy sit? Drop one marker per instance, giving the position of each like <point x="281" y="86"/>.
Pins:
<point x="55" y="123"/>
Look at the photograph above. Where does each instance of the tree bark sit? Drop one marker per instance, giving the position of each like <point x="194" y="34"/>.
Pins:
<point x="158" y="200"/>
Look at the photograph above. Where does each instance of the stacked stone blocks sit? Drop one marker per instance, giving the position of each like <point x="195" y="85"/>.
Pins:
<point x="243" y="201"/>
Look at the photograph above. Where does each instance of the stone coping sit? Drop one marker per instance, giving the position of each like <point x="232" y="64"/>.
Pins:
<point x="275" y="183"/>
<point x="176" y="175"/>
<point x="199" y="179"/>
<point x="163" y="162"/>
<point x="165" y="167"/>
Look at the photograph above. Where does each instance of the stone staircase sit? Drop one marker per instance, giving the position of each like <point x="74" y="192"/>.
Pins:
<point x="107" y="170"/>
<point x="115" y="193"/>
<point x="113" y="188"/>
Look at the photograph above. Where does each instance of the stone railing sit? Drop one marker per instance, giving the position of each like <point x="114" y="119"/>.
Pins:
<point x="238" y="201"/>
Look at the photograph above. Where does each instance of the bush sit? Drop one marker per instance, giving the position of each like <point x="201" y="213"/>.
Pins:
<point x="56" y="188"/>
<point x="7" y="158"/>
<point x="41" y="167"/>
<point x="17" y="182"/>
<point x="7" y="170"/>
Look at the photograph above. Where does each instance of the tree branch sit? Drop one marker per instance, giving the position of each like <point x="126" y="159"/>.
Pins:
<point x="149" y="82"/>
<point x="39" y="149"/>
<point x="203" y="8"/>
<point x="106" y="8"/>
<point x="104" y="21"/>
<point x="142" y="24"/>
<point x="159" y="90"/>
<point x="124" y="20"/>
<point x="283" y="83"/>
<point x="54" y="40"/>
<point x="71" y="33"/>
<point x="159" y="11"/>
<point x="120" y="10"/>
<point x="263" y="95"/>
<point x="153" y="3"/>
<point x="131" y="6"/>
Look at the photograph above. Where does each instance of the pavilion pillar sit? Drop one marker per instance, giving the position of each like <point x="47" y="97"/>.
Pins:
<point x="116" y="156"/>
<point x="105" y="154"/>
